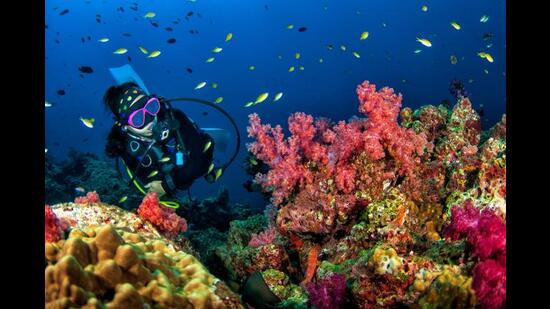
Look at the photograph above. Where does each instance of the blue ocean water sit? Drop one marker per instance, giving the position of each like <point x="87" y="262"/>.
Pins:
<point x="260" y="36"/>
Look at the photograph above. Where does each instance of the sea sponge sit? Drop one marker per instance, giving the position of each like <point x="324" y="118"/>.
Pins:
<point x="107" y="267"/>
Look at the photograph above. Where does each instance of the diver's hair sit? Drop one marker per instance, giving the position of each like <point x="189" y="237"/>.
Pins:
<point x="115" y="143"/>
<point x="111" y="96"/>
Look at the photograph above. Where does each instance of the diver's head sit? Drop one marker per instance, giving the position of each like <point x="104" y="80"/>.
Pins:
<point x="134" y="110"/>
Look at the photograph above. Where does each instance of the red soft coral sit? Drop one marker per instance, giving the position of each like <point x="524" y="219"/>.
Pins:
<point x="53" y="227"/>
<point x="90" y="198"/>
<point x="164" y="218"/>
<point x="264" y="238"/>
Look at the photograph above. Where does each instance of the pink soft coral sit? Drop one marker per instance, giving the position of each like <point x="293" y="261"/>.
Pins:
<point x="90" y="198"/>
<point x="164" y="218"/>
<point x="264" y="238"/>
<point x="53" y="227"/>
<point x="485" y="232"/>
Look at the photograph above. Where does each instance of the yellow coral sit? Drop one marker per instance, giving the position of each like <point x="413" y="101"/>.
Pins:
<point x="385" y="260"/>
<point x="140" y="272"/>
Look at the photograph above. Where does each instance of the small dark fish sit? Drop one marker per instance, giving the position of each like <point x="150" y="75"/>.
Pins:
<point x="85" y="139"/>
<point x="86" y="69"/>
<point x="81" y="76"/>
<point x="155" y="24"/>
<point x="134" y="8"/>
<point x="190" y="13"/>
<point x="98" y="20"/>
<point x="171" y="41"/>
<point x="192" y="31"/>
<point x="302" y="29"/>
<point x="57" y="41"/>
<point x="189" y="70"/>
<point x="127" y="34"/>
<point x="46" y="26"/>
<point x="98" y="15"/>
<point x="205" y="113"/>
<point x="487" y="36"/>
<point x="129" y="59"/>
<point x="89" y="38"/>
<point x="61" y="92"/>
<point x="65" y="11"/>
<point x="83" y="40"/>
<point x="266" y="7"/>
<point x="175" y="22"/>
<point x="481" y="111"/>
<point x="55" y="8"/>
<point x="168" y="29"/>
<point x="121" y="9"/>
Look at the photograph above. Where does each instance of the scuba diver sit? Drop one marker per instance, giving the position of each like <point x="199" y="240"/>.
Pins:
<point x="161" y="148"/>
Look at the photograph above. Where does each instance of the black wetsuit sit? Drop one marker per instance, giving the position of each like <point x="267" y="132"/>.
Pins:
<point x="196" y="162"/>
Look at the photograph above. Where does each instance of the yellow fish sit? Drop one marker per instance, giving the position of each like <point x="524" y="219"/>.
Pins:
<point x="143" y="50"/>
<point x="455" y="25"/>
<point x="200" y="85"/>
<point x="153" y="174"/>
<point x="290" y="26"/>
<point x="210" y="59"/>
<point x="484" y="19"/>
<point x="424" y="42"/>
<point x="278" y="96"/>
<point x="356" y="54"/>
<point x="123" y="199"/>
<point x="251" y="68"/>
<point x="291" y="69"/>
<point x="261" y="97"/>
<point x="217" y="49"/>
<point x="45" y="150"/>
<point x="454" y="60"/>
<point x="154" y="54"/>
<point x="343" y="47"/>
<point x="210" y="168"/>
<point x="229" y="36"/>
<point x="218" y="100"/>
<point x="417" y="51"/>
<point x="207" y="146"/>
<point x="253" y="161"/>
<point x="150" y="15"/>
<point x="165" y="159"/>
<point x="218" y="174"/>
<point x="486" y="71"/>
<point x="103" y="40"/>
<point x="214" y="85"/>
<point x="88" y="122"/>
<point x="301" y="68"/>
<point x="424" y="8"/>
<point x="297" y="56"/>
<point x="248" y="104"/>
<point x="486" y="56"/>
<point x="364" y="36"/>
<point x="120" y="51"/>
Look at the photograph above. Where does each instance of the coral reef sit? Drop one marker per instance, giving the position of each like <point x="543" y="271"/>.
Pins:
<point x="329" y="292"/>
<point x="163" y="218"/>
<point x="88" y="171"/>
<point x="410" y="213"/>
<point x="107" y="267"/>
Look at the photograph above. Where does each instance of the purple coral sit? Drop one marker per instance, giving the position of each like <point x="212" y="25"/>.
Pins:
<point x="328" y="293"/>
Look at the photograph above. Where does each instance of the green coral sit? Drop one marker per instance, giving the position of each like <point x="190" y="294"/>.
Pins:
<point x="291" y="295"/>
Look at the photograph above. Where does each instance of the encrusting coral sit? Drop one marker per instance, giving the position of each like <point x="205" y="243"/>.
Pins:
<point x="107" y="267"/>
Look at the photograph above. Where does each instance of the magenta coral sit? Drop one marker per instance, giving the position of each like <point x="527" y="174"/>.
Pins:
<point x="328" y="293"/>
<point x="264" y="238"/>
<point x="90" y="198"/>
<point x="485" y="232"/>
<point x="164" y="218"/>
<point x="53" y="228"/>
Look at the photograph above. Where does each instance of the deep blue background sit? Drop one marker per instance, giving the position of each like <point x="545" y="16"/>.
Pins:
<point x="260" y="35"/>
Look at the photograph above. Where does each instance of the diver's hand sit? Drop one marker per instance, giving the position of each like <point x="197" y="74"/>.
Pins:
<point x="156" y="186"/>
